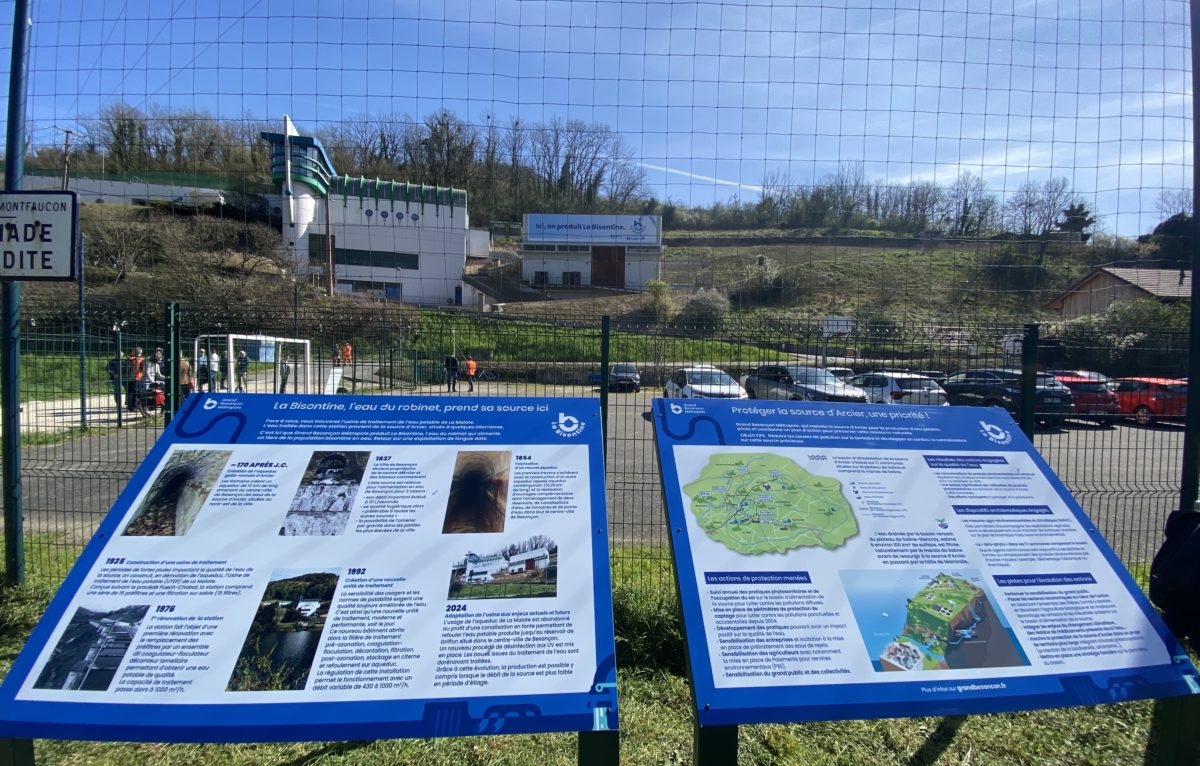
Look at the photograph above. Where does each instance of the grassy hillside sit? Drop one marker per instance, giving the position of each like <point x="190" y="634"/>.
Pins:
<point x="151" y="256"/>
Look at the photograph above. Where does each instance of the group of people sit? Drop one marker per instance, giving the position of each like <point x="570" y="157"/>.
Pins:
<point x="138" y="380"/>
<point x="468" y="368"/>
<point x="135" y="375"/>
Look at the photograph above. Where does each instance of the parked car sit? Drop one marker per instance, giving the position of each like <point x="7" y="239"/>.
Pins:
<point x="624" y="377"/>
<point x="1002" y="388"/>
<point x="1149" y="399"/>
<point x="1093" y="399"/>
<point x="1088" y="374"/>
<point x="702" y="381"/>
<point x="900" y="388"/>
<point x="814" y="384"/>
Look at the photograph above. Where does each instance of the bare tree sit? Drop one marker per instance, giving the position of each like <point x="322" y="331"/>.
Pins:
<point x="1171" y="202"/>
<point x="448" y="149"/>
<point x="515" y="143"/>
<point x="969" y="209"/>
<point x="625" y="181"/>
<point x="123" y="131"/>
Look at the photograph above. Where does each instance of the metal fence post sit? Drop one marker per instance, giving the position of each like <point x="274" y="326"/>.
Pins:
<point x="605" y="337"/>
<point x="172" y="393"/>
<point x="119" y="393"/>
<point x="1027" y="414"/>
<point x="10" y="298"/>
<point x="83" y="418"/>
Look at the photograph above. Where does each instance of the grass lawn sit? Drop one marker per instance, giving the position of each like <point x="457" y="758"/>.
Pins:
<point x="505" y="590"/>
<point x="655" y="714"/>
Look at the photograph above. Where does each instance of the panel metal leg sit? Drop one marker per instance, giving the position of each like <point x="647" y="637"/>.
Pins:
<point x="1173" y="738"/>
<point x="715" y="745"/>
<point x="16" y="752"/>
<point x="599" y="748"/>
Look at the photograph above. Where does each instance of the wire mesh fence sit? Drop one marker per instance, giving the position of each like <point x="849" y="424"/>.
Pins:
<point x="939" y="173"/>
<point x="1108" y="412"/>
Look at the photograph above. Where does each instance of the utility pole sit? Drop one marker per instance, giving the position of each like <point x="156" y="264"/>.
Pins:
<point x="66" y="156"/>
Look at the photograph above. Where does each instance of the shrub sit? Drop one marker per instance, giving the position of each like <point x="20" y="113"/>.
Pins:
<point x="707" y="308"/>
<point x="661" y="304"/>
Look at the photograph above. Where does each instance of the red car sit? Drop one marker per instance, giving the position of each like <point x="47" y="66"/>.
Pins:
<point x="1093" y="398"/>
<point x="1149" y="399"/>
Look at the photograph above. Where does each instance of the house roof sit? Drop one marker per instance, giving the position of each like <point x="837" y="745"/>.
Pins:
<point x="1161" y="283"/>
<point x="1164" y="284"/>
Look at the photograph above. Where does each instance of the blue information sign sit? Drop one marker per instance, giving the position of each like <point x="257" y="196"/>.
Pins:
<point x="338" y="567"/>
<point x="842" y="561"/>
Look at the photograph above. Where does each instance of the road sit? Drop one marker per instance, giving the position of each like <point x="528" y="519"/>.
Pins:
<point x="1125" y="477"/>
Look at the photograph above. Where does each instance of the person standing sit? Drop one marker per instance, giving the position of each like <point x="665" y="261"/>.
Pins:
<point x="241" y="370"/>
<point x="202" y="376"/>
<point x="347" y="354"/>
<point x="185" y="377"/>
<point x="152" y="368"/>
<point x="451" y="365"/>
<point x="214" y="370"/>
<point x="133" y="377"/>
<point x="115" y="378"/>
<point x="471" y="369"/>
<point x="285" y="372"/>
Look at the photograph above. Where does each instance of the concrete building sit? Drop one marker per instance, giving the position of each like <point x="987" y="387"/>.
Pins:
<point x="622" y="252"/>
<point x="530" y="561"/>
<point x="381" y="239"/>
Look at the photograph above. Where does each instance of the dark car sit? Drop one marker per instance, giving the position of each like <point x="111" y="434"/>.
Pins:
<point x="624" y="377"/>
<point x="814" y="384"/>
<point x="1002" y="388"/>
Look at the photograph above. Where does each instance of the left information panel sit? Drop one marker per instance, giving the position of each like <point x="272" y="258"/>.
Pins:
<point x="335" y="567"/>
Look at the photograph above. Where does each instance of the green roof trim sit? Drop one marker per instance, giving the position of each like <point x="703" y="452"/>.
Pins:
<point x="397" y="191"/>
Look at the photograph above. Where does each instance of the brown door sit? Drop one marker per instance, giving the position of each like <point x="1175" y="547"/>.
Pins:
<point x="608" y="267"/>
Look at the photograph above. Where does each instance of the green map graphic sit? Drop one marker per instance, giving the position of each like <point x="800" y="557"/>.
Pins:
<point x="758" y="503"/>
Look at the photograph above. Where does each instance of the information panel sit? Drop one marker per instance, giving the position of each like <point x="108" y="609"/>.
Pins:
<point x="38" y="235"/>
<point x="338" y="567"/>
<point x="861" y="561"/>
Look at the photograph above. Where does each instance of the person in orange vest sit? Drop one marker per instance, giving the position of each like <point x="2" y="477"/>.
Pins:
<point x="347" y="354"/>
<point x="471" y="368"/>
<point x="133" y="376"/>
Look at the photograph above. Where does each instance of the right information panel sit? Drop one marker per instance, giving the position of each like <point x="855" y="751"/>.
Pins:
<point x="860" y="561"/>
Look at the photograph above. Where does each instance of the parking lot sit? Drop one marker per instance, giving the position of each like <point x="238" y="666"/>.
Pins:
<point x="1125" y="476"/>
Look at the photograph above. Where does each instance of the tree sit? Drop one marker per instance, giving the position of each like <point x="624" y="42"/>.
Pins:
<point x="969" y="210"/>
<point x="1171" y="241"/>
<point x="1172" y="202"/>
<point x="123" y="133"/>
<point x="1033" y="210"/>
<point x="448" y="149"/>
<point x="1076" y="220"/>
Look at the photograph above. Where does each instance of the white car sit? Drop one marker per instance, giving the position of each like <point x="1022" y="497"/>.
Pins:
<point x="900" y="388"/>
<point x="702" y="381"/>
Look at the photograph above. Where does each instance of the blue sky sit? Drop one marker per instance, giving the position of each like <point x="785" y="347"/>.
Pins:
<point x="710" y="97"/>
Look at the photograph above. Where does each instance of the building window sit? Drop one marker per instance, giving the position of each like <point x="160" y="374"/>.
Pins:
<point x="572" y="278"/>
<point x="541" y="278"/>
<point x="349" y="257"/>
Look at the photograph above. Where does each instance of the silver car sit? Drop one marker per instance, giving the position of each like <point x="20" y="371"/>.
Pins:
<point x="900" y="388"/>
<point x="702" y="381"/>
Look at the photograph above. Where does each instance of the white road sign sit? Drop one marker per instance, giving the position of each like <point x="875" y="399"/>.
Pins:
<point x="39" y="232"/>
<point x="836" y="325"/>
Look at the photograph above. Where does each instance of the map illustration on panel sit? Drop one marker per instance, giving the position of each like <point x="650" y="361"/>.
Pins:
<point x="948" y="623"/>
<point x="761" y="503"/>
